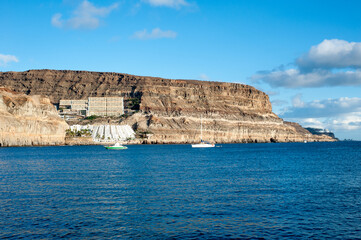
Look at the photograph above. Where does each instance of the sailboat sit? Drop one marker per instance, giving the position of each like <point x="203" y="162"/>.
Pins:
<point x="203" y="144"/>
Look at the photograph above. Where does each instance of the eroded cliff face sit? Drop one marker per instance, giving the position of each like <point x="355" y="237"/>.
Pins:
<point x="29" y="121"/>
<point x="172" y="109"/>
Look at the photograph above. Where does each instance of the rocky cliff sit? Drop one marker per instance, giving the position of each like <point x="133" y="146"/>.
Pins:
<point x="171" y="110"/>
<point x="29" y="120"/>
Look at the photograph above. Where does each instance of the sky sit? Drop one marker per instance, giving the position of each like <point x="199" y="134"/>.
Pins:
<point x="306" y="55"/>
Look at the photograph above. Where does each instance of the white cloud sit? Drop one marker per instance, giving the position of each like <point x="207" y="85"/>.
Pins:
<point x="272" y="93"/>
<point x="323" y="108"/>
<point x="156" y="33"/>
<point x="342" y="128"/>
<point x="278" y="102"/>
<point x="167" y="3"/>
<point x="294" y="78"/>
<point x="330" y="63"/>
<point x="56" y="20"/>
<point x="341" y="115"/>
<point x="5" y="59"/>
<point x="86" y="16"/>
<point x="297" y="101"/>
<point x="332" y="53"/>
<point x="313" y="123"/>
<point x="204" y="77"/>
<point x="350" y="122"/>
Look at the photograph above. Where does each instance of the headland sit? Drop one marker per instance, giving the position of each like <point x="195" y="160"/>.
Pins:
<point x="168" y="110"/>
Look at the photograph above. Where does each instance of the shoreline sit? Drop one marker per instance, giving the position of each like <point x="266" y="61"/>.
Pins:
<point x="110" y="143"/>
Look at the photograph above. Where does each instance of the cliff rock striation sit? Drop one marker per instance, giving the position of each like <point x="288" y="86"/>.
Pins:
<point x="171" y="110"/>
<point x="29" y="121"/>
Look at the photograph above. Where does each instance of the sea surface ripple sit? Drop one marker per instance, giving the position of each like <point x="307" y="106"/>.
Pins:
<point x="236" y="191"/>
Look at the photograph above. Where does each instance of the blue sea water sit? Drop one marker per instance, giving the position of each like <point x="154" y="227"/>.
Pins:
<point x="237" y="191"/>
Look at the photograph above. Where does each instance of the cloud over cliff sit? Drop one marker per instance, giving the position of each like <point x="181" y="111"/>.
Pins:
<point x="331" y="54"/>
<point x="331" y="63"/>
<point x="339" y="113"/>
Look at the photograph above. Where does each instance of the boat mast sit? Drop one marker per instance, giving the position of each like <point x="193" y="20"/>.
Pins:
<point x="201" y="127"/>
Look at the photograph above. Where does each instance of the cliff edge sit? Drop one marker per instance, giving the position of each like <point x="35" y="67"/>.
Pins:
<point x="171" y="110"/>
<point x="29" y="121"/>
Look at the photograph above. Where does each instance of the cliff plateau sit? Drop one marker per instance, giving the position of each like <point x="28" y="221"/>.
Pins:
<point x="171" y="110"/>
<point x="29" y="121"/>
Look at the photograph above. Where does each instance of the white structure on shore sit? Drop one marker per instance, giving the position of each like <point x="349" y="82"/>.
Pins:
<point x="107" y="133"/>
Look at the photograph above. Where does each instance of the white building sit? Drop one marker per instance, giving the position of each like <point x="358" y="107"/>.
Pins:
<point x="105" y="106"/>
<point x="107" y="133"/>
<point x="99" y="106"/>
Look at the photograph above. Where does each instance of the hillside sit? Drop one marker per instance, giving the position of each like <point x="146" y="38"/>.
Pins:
<point x="29" y="121"/>
<point x="171" y="109"/>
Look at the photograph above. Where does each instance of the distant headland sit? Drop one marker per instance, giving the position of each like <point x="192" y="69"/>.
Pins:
<point x="160" y="111"/>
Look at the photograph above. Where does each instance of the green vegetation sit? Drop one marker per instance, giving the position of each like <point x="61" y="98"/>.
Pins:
<point x="124" y="116"/>
<point x="133" y="103"/>
<point x="144" y="134"/>
<point x="81" y="133"/>
<point x="92" y="117"/>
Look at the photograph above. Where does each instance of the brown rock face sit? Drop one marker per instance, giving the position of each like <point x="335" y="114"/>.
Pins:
<point x="171" y="109"/>
<point x="29" y="121"/>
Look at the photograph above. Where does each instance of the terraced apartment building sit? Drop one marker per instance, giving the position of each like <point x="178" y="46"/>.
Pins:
<point x="100" y="106"/>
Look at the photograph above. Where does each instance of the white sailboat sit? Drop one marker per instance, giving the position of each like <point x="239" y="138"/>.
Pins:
<point x="203" y="144"/>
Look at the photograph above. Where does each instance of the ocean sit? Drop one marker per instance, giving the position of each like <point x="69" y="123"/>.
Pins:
<point x="233" y="191"/>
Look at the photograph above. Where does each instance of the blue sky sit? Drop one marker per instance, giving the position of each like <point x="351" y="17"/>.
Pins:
<point x="305" y="54"/>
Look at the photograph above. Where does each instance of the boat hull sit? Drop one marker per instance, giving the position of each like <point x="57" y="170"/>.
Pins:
<point x="204" y="145"/>
<point x="115" y="148"/>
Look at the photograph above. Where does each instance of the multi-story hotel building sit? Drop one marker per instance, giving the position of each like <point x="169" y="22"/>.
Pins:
<point x="100" y="106"/>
